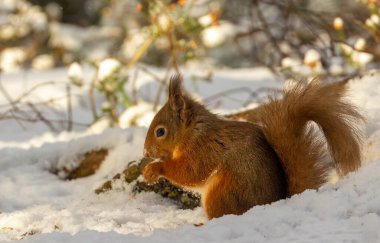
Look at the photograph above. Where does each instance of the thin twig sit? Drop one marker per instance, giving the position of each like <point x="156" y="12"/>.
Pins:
<point x="42" y="117"/>
<point x="140" y="52"/>
<point x="150" y="73"/>
<point x="8" y="97"/>
<point x="252" y="94"/>
<point x="161" y="81"/>
<point x="35" y="119"/>
<point x="34" y="113"/>
<point x="29" y="92"/>
<point x="172" y="63"/>
<point x="44" y="102"/>
<point x="162" y="86"/>
<point x="133" y="84"/>
<point x="91" y="96"/>
<point x="266" y="28"/>
<point x="69" y="108"/>
<point x="227" y="92"/>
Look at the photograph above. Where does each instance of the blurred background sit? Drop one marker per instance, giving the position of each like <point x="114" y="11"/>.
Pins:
<point x="332" y="39"/>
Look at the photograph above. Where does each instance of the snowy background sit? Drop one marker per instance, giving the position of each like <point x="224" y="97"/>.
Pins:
<point x="38" y="206"/>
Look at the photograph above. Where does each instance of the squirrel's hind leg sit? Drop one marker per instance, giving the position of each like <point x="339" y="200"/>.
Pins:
<point x="222" y="196"/>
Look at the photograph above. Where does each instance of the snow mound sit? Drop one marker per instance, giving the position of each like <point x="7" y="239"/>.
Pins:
<point x="38" y="206"/>
<point x="346" y="212"/>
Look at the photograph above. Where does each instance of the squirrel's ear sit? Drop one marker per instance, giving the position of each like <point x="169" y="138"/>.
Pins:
<point x="177" y="99"/>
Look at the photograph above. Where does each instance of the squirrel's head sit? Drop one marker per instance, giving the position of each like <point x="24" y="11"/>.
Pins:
<point x="172" y="124"/>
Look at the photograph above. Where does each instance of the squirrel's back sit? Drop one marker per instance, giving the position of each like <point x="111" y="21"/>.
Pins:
<point x="302" y="151"/>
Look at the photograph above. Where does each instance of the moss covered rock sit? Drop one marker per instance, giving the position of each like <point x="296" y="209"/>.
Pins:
<point x="185" y="199"/>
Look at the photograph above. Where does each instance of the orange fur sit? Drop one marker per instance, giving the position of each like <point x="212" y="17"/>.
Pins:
<point x="301" y="151"/>
<point x="242" y="164"/>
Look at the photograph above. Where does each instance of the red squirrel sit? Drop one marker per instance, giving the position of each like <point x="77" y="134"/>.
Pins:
<point x="275" y="154"/>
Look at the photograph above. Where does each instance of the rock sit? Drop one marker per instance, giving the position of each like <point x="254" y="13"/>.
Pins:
<point x="185" y="199"/>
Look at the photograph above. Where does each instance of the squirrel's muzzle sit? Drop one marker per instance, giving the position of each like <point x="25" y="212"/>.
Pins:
<point x="146" y="153"/>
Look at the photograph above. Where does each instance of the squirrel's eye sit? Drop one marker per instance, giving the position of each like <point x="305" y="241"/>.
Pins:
<point x="160" y="132"/>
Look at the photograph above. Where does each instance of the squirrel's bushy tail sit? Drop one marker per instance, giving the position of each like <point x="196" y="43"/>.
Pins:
<point x="302" y="151"/>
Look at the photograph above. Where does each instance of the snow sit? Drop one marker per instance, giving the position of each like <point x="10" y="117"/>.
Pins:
<point x="107" y="67"/>
<point x="37" y="206"/>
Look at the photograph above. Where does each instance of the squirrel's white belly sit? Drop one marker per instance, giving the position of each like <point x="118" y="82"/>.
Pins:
<point x="202" y="190"/>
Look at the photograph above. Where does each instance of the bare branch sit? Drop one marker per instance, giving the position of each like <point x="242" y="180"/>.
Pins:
<point x="35" y="119"/>
<point x="42" y="118"/>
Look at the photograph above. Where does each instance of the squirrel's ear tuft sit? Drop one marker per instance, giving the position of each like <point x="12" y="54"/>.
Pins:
<point x="175" y="85"/>
<point x="177" y="100"/>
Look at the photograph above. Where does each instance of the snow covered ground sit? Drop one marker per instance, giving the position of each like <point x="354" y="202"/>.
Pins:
<point x="37" y="206"/>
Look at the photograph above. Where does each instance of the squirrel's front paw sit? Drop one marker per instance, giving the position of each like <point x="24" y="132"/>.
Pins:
<point x="152" y="172"/>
